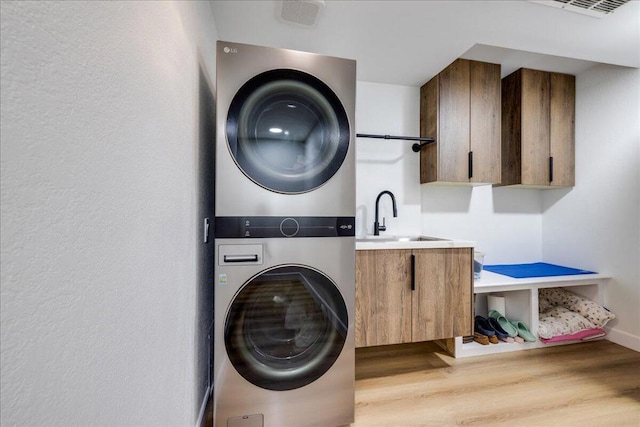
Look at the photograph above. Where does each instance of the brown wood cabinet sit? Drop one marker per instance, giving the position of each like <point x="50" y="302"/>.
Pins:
<point x="538" y="129"/>
<point x="406" y="295"/>
<point x="460" y="107"/>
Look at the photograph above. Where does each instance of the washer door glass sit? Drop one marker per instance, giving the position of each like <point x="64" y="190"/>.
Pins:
<point x="286" y="327"/>
<point x="287" y="131"/>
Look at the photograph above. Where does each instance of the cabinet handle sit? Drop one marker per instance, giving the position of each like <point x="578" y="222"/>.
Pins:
<point x="470" y="164"/>
<point x="550" y="169"/>
<point x="413" y="272"/>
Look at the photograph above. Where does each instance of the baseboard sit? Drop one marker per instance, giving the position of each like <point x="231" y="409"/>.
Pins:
<point x="625" y="339"/>
<point x="203" y="408"/>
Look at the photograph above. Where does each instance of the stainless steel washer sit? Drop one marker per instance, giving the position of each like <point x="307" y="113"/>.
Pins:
<point x="284" y="132"/>
<point x="284" y="322"/>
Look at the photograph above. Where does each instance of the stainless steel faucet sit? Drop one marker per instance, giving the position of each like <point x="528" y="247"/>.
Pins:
<point x="377" y="228"/>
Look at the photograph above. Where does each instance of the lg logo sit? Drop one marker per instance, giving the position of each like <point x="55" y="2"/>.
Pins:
<point x="230" y="49"/>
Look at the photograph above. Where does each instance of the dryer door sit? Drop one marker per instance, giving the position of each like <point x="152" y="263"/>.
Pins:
<point x="287" y="131"/>
<point x="286" y="327"/>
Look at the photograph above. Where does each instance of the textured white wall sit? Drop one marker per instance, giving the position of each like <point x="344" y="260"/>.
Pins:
<point x="596" y="225"/>
<point x="505" y="223"/>
<point x="98" y="157"/>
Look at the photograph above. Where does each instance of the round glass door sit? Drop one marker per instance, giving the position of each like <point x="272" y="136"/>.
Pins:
<point x="287" y="131"/>
<point x="286" y="327"/>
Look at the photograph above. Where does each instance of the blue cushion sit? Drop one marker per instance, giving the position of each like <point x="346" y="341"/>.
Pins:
<point x="536" y="269"/>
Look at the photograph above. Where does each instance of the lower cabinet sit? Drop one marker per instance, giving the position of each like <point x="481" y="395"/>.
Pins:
<point x="412" y="295"/>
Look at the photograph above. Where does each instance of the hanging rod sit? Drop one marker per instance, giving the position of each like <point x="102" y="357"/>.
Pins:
<point x="415" y="147"/>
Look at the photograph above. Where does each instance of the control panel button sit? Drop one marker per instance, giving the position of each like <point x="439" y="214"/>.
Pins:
<point x="289" y="227"/>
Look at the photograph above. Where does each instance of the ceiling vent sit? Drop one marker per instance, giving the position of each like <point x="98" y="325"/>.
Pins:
<point x="595" y="8"/>
<point x="300" y="12"/>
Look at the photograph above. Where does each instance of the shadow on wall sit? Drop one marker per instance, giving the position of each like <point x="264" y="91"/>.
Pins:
<point x="446" y="199"/>
<point x="457" y="199"/>
<point x="551" y="197"/>
<point x="517" y="200"/>
<point x="204" y="250"/>
<point x="361" y="218"/>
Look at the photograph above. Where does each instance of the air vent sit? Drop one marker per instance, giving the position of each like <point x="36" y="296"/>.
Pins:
<point x="595" y="8"/>
<point x="300" y="12"/>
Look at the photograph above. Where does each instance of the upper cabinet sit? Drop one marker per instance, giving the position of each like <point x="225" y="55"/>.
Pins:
<point x="538" y="129"/>
<point x="460" y="107"/>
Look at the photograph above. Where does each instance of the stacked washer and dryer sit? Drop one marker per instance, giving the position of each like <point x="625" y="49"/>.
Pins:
<point x="284" y="284"/>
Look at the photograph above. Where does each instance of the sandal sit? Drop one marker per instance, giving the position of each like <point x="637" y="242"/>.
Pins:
<point x="483" y="326"/>
<point x="523" y="331"/>
<point x="510" y="329"/>
<point x="482" y="339"/>
<point x="501" y="333"/>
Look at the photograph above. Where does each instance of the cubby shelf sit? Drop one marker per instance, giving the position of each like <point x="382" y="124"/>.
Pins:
<point x="521" y="297"/>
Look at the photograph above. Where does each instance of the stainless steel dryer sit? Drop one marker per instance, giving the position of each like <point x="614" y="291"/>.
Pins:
<point x="284" y="346"/>
<point x="284" y="132"/>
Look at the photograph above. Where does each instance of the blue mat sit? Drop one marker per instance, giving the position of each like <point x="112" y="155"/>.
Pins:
<point x="537" y="269"/>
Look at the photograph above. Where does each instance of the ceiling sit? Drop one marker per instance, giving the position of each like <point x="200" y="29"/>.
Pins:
<point x="408" y="42"/>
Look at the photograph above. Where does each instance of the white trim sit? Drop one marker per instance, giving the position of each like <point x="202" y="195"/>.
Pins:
<point x="624" y="339"/>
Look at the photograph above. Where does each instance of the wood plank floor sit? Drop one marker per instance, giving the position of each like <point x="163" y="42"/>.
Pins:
<point x="586" y="384"/>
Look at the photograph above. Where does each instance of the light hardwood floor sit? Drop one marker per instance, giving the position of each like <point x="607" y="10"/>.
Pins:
<point x="586" y="384"/>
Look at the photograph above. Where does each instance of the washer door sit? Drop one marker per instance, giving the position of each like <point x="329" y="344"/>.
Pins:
<point x="286" y="327"/>
<point x="287" y="131"/>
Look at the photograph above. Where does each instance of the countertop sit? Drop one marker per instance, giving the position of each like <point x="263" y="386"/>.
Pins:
<point x="395" y="242"/>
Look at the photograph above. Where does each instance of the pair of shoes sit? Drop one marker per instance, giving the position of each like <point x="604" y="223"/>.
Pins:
<point x="502" y="321"/>
<point x="492" y="327"/>
<point x="515" y="329"/>
<point x="482" y="326"/>
<point x="481" y="338"/>
<point x="523" y="331"/>
<point x="501" y="333"/>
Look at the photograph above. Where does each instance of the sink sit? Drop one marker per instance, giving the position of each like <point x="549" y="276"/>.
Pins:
<point x="393" y="239"/>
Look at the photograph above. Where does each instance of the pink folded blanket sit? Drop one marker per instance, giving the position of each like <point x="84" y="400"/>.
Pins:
<point x="584" y="335"/>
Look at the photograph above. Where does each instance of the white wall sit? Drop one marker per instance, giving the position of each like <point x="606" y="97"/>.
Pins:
<point x="596" y="225"/>
<point x="383" y="109"/>
<point x="505" y="223"/>
<point x="98" y="170"/>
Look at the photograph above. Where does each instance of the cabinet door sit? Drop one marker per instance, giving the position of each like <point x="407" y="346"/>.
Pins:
<point x="454" y="122"/>
<point x="429" y="129"/>
<point x="535" y="127"/>
<point x="485" y="114"/>
<point x="538" y="129"/>
<point x="383" y="297"/>
<point x="442" y="300"/>
<point x="460" y="107"/>
<point x="511" y="128"/>
<point x="562" y="129"/>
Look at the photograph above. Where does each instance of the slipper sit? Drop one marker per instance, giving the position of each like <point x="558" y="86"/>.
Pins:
<point x="482" y="339"/>
<point x="523" y="331"/>
<point x="511" y="330"/>
<point x="501" y="333"/>
<point x="482" y="325"/>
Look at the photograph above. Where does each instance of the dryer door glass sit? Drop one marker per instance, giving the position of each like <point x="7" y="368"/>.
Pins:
<point x="287" y="131"/>
<point x="286" y="327"/>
